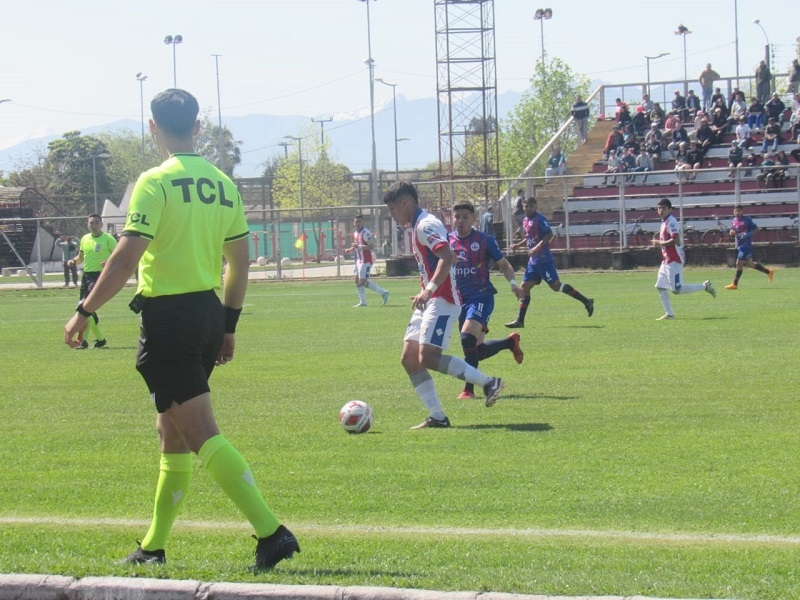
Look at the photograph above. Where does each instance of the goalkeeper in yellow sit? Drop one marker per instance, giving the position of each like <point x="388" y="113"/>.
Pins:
<point x="184" y="216"/>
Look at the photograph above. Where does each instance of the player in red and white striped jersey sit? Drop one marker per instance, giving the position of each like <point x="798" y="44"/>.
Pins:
<point x="362" y="248"/>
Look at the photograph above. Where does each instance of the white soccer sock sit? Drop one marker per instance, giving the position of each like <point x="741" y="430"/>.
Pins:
<point x="689" y="288"/>
<point x="375" y="287"/>
<point x="458" y="367"/>
<point x="426" y="390"/>
<point x="665" y="300"/>
<point x="362" y="295"/>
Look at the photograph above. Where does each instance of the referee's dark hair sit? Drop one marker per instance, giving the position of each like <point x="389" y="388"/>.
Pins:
<point x="175" y="111"/>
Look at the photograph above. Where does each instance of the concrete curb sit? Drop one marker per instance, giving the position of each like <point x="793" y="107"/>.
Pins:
<point x="56" y="587"/>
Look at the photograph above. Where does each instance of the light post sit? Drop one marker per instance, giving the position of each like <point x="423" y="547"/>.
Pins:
<point x="285" y="148"/>
<point x="370" y="62"/>
<point x="736" y="37"/>
<point x="684" y="31"/>
<point x="322" y="129"/>
<point x="541" y="15"/>
<point x="219" y="115"/>
<point x="173" y="41"/>
<point x="648" y="59"/>
<point x="140" y="77"/>
<point x="394" y="111"/>
<point x="766" y="37"/>
<point x="302" y="199"/>
<point x="94" y="175"/>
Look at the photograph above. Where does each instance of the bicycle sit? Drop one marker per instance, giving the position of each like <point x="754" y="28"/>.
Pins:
<point x="790" y="233"/>
<point x="718" y="234"/>
<point x="636" y="234"/>
<point x="691" y="236"/>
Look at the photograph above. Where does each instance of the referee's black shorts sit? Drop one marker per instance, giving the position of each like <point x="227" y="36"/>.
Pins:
<point x="180" y="338"/>
<point x="87" y="282"/>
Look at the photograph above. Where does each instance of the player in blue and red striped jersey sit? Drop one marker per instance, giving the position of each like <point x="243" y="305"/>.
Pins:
<point x="743" y="227"/>
<point x="436" y="308"/>
<point x="540" y="263"/>
<point x="362" y="248"/>
<point x="670" y="273"/>
<point x="474" y="252"/>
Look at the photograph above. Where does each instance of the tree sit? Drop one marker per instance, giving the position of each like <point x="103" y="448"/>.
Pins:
<point x="538" y="116"/>
<point x="126" y="164"/>
<point x="218" y="146"/>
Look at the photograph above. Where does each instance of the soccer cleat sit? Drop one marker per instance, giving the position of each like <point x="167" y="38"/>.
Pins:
<point x="590" y="306"/>
<point x="434" y="423"/>
<point x="273" y="549"/>
<point x="731" y="286"/>
<point x="145" y="557"/>
<point x="466" y="395"/>
<point x="385" y="296"/>
<point x="101" y="344"/>
<point x="515" y="349"/>
<point x="82" y="346"/>
<point x="492" y="390"/>
<point x="665" y="317"/>
<point x="710" y="288"/>
<point x="359" y="305"/>
<point x="771" y="275"/>
<point x="516" y="324"/>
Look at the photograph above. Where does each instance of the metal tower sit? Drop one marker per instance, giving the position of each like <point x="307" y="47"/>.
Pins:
<point x="466" y="85"/>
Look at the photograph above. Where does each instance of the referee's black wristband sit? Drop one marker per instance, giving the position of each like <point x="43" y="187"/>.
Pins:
<point x="82" y="311"/>
<point x="231" y="318"/>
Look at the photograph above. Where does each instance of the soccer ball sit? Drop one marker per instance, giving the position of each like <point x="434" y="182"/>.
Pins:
<point x="356" y="417"/>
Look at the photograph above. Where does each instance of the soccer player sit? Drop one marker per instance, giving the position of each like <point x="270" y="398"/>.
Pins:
<point x="436" y="308"/>
<point x="474" y="251"/>
<point x="362" y="248"/>
<point x="184" y="216"/>
<point x="743" y="227"/>
<point x="540" y="263"/>
<point x="93" y="251"/>
<point x="670" y="273"/>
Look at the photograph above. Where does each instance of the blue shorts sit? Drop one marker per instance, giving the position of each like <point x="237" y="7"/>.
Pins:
<point x="479" y="309"/>
<point x="535" y="273"/>
<point x="744" y="253"/>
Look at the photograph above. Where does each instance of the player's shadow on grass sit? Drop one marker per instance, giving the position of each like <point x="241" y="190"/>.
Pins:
<point x="528" y="427"/>
<point x="536" y="397"/>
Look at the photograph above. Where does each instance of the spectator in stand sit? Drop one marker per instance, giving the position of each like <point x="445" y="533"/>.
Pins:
<point x="677" y="136"/>
<point x="704" y="137"/>
<point x="749" y="162"/>
<point x="779" y="173"/>
<point x="772" y="136"/>
<point x="692" y="105"/>
<point x="763" y="82"/>
<point x="707" y="79"/>
<point x="735" y="157"/>
<point x="647" y="104"/>
<point x="794" y="78"/>
<point x="795" y="128"/>
<point x="629" y="138"/>
<point x="556" y="164"/>
<point x="580" y="112"/>
<point x="775" y="108"/>
<point x="698" y="118"/>
<point x="734" y="95"/>
<point x="767" y="167"/>
<point x="755" y="113"/>
<point x="694" y="160"/>
<point x="682" y="161"/>
<point x="743" y="133"/>
<point x="644" y="164"/>
<point x="657" y="115"/>
<point x="679" y="105"/>
<point x="718" y="95"/>
<point x="613" y="168"/>
<point x="719" y="125"/>
<point x="653" y="141"/>
<point x="628" y="163"/>
<point x="622" y="115"/>
<point x="613" y="143"/>
<point x="671" y="123"/>
<point x="737" y="109"/>
<point x="640" y="121"/>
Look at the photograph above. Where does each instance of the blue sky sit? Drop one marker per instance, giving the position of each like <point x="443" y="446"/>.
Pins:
<point x="70" y="65"/>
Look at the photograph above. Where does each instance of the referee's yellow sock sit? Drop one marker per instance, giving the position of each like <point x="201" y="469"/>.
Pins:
<point x="231" y="471"/>
<point x="174" y="479"/>
<point x="94" y="328"/>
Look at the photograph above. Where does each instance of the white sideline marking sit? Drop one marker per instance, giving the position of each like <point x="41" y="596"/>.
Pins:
<point x="451" y="531"/>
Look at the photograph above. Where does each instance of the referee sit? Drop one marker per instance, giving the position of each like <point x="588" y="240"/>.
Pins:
<point x="184" y="216"/>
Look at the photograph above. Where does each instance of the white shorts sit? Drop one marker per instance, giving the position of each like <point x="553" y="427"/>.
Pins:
<point x="434" y="325"/>
<point x="670" y="276"/>
<point x="362" y="270"/>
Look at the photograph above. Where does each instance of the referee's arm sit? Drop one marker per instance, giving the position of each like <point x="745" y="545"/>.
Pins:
<point x="237" y="255"/>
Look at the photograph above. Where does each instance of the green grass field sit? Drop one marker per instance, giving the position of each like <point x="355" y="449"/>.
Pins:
<point x="627" y="456"/>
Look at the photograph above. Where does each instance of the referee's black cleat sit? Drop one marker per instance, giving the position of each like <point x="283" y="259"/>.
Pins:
<point x="145" y="557"/>
<point x="274" y="548"/>
<point x="100" y="344"/>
